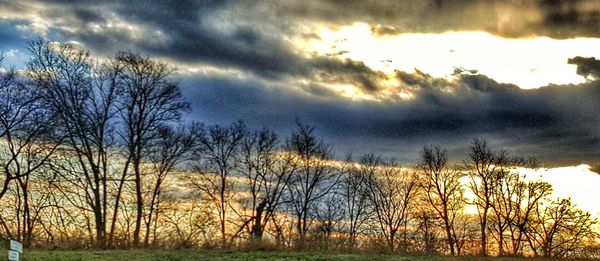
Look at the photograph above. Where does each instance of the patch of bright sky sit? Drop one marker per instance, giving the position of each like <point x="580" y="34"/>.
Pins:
<point x="576" y="182"/>
<point x="14" y="58"/>
<point x="527" y="62"/>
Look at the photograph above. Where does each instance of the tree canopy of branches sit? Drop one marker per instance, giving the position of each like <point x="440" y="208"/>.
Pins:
<point x="391" y="191"/>
<point x="313" y="179"/>
<point x="83" y="96"/>
<point x="442" y="189"/>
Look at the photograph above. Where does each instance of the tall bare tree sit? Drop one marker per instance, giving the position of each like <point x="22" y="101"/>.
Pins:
<point x="82" y="94"/>
<point x="171" y="146"/>
<point x="559" y="229"/>
<point x="219" y="157"/>
<point x="356" y="199"/>
<point x="484" y="169"/>
<point x="26" y="129"/>
<point x="313" y="179"/>
<point x="268" y="171"/>
<point x="442" y="189"/>
<point x="149" y="100"/>
<point x="391" y="192"/>
<point x="514" y="203"/>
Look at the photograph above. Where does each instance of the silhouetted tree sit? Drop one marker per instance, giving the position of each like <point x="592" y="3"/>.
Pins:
<point x="149" y="100"/>
<point x="391" y="191"/>
<point x="442" y="189"/>
<point x="513" y="203"/>
<point x="268" y="171"/>
<point x="219" y="156"/>
<point x="26" y="130"/>
<point x="328" y="215"/>
<point x="170" y="146"/>
<point x="484" y="169"/>
<point x="353" y="186"/>
<point x="559" y="229"/>
<point x="83" y="96"/>
<point x="313" y="179"/>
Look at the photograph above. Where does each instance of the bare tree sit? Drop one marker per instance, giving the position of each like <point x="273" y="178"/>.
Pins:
<point x="313" y="179"/>
<point x="427" y="222"/>
<point x="29" y="142"/>
<point x="150" y="99"/>
<point x="559" y="229"/>
<point x="484" y="169"/>
<point x="82" y="95"/>
<point x="170" y="147"/>
<point x="514" y="201"/>
<point x="442" y="189"/>
<point x="492" y="179"/>
<point x="187" y="224"/>
<point x="219" y="155"/>
<point x="391" y="191"/>
<point x="328" y="216"/>
<point x="33" y="195"/>
<point x="26" y="130"/>
<point x="268" y="171"/>
<point x="356" y="199"/>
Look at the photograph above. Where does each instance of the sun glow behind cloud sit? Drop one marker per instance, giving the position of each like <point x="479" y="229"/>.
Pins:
<point x="576" y="182"/>
<point x="527" y="62"/>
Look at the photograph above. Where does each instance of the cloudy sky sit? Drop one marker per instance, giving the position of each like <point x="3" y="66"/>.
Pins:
<point x="372" y="75"/>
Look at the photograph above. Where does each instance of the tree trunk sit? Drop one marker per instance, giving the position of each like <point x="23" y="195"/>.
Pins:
<point x="223" y="213"/>
<point x="139" y="205"/>
<point x="257" y="229"/>
<point x="449" y="235"/>
<point x="483" y="250"/>
<point x="117" y="201"/>
<point x="500" y="241"/>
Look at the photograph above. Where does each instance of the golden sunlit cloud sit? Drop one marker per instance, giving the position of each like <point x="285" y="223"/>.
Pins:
<point x="527" y="62"/>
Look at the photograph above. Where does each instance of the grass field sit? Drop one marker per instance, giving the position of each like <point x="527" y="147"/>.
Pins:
<point x="146" y="255"/>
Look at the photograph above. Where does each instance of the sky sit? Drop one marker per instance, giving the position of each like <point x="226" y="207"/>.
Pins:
<point x="376" y="76"/>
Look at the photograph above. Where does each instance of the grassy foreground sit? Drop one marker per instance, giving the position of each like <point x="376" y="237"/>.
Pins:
<point x="146" y="255"/>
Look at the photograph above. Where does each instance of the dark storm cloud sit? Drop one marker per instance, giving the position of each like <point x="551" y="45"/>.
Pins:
<point x="587" y="66"/>
<point x="509" y="18"/>
<point x="557" y="124"/>
<point x="346" y="71"/>
<point x="572" y="17"/>
<point x="195" y="32"/>
<point x="250" y="35"/>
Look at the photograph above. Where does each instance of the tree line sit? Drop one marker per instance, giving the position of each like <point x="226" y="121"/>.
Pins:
<point x="95" y="154"/>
